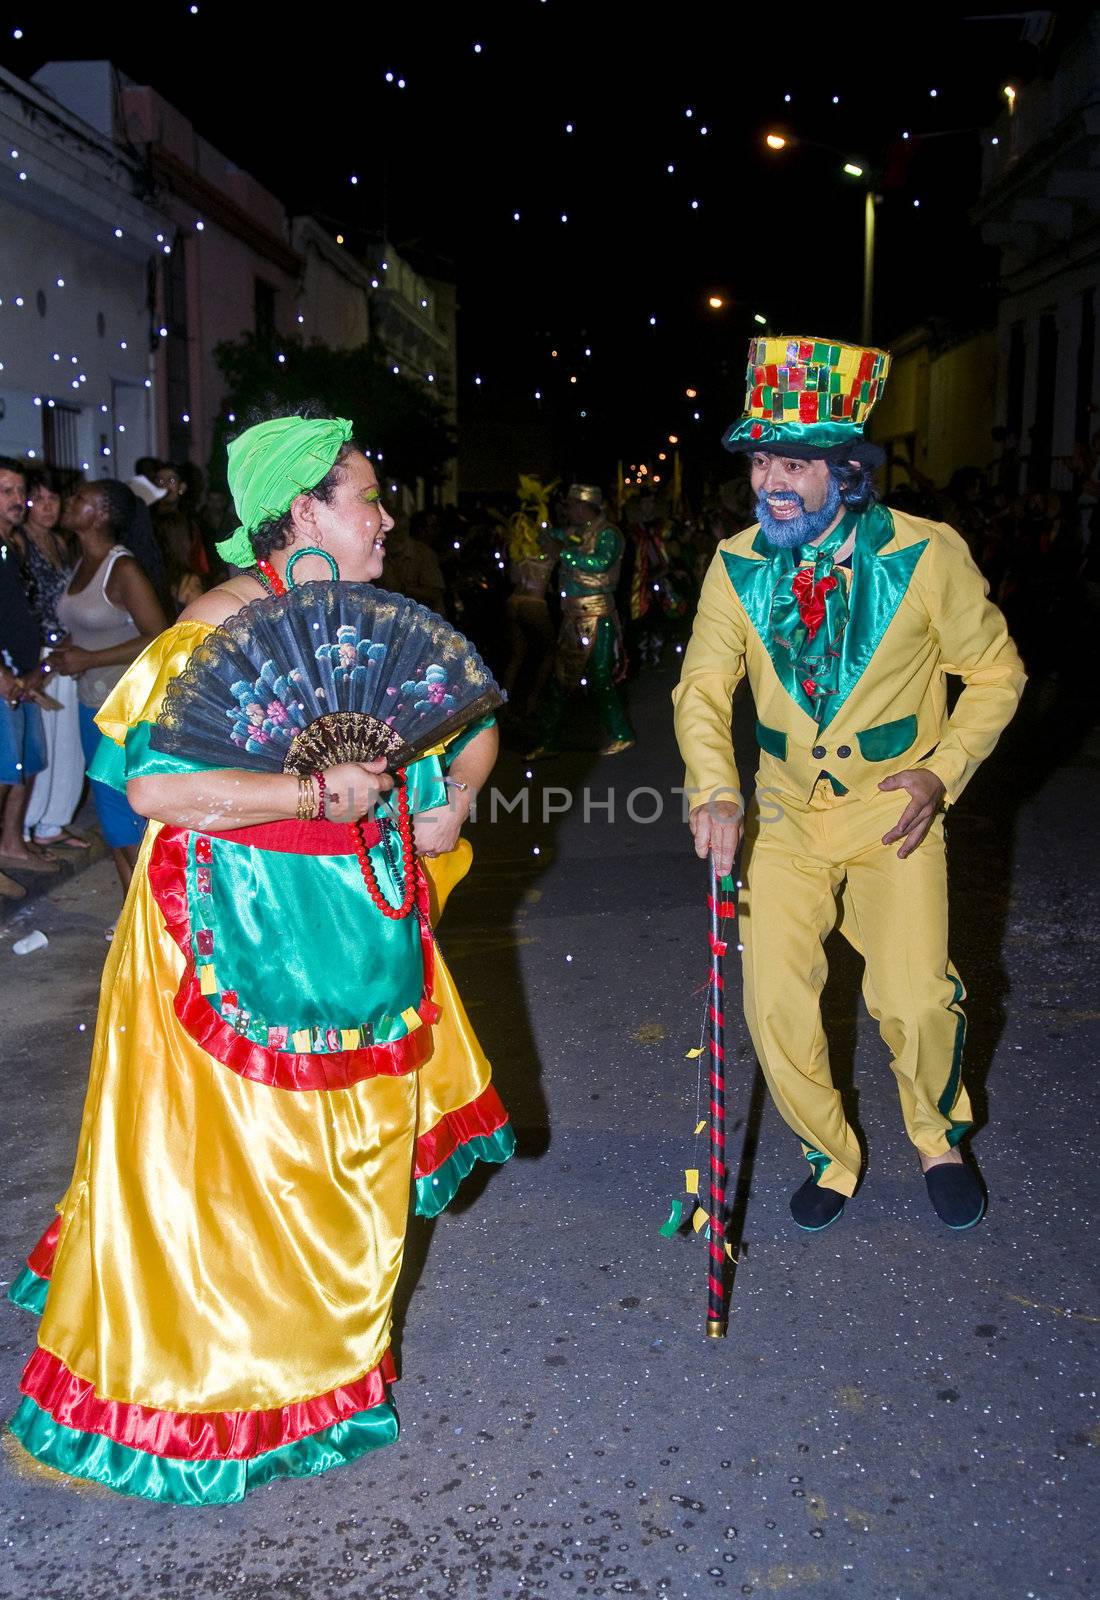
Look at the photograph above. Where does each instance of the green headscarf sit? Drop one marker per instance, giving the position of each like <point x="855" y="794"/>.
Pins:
<point x="272" y="463"/>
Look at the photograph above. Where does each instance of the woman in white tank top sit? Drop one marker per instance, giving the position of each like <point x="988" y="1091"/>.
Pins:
<point x="110" y="612"/>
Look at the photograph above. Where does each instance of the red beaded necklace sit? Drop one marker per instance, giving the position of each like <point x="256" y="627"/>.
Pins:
<point x="272" y="580"/>
<point x="408" y="860"/>
<point x="269" y="577"/>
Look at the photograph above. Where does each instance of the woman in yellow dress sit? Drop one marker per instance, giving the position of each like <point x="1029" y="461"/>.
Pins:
<point x="216" y="1290"/>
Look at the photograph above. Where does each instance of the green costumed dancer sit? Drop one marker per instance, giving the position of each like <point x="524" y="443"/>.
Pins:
<point x="590" y="651"/>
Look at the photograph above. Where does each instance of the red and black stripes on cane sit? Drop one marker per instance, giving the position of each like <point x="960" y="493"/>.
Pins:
<point x="721" y="905"/>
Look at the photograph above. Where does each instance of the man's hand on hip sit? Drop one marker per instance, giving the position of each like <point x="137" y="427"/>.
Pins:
<point x="716" y="828"/>
<point x="926" y="793"/>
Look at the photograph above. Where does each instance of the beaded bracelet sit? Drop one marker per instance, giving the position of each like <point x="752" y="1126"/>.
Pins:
<point x="320" y="812"/>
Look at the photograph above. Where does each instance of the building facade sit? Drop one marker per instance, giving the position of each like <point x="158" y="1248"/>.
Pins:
<point x="415" y="319"/>
<point x="82" y="251"/>
<point x="938" y="410"/>
<point x="1040" y="204"/>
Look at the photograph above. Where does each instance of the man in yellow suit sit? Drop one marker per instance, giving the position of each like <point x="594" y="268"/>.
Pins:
<point x="847" y="620"/>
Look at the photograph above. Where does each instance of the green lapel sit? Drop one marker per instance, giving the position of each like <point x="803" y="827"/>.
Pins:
<point x="753" y="582"/>
<point x="878" y="583"/>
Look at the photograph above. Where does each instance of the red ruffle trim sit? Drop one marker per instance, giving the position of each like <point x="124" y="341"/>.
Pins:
<point x="280" y="1069"/>
<point x="195" y="1435"/>
<point x="481" y="1116"/>
<point x="41" y="1257"/>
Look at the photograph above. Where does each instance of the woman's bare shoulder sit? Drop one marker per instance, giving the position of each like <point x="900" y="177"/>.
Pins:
<point x="223" y="602"/>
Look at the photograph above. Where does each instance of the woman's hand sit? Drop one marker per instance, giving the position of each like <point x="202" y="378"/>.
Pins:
<point x="437" y="831"/>
<point x="10" y="687"/>
<point x="70" y="660"/>
<point x="353" y="789"/>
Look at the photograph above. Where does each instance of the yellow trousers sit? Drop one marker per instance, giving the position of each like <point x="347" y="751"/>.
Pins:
<point x="803" y="864"/>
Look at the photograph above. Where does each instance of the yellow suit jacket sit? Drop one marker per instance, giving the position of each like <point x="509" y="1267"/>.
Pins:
<point x="918" y="611"/>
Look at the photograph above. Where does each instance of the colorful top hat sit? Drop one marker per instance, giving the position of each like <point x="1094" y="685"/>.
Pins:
<point x="809" y="398"/>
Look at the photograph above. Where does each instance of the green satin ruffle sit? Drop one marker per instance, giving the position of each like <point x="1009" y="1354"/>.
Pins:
<point x="114" y="764"/>
<point x="436" y="1190"/>
<point x="196" y="1483"/>
<point x="750" y="431"/>
<point x="29" y="1292"/>
<point x="461" y="740"/>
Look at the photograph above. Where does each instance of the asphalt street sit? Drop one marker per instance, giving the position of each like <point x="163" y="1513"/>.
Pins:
<point x="897" y="1411"/>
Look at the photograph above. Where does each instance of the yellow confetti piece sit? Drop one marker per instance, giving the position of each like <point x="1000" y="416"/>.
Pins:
<point x="411" y="1018"/>
<point x="699" y="1126"/>
<point x="207" y="981"/>
<point x="349" y="1038"/>
<point x="691" y="1180"/>
<point x="692" y="1055"/>
<point x="700" y="1218"/>
<point x="301" y="1039"/>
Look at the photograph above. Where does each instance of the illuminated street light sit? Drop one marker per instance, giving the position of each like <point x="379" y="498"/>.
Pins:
<point x="673" y="438"/>
<point x="716" y="302"/>
<point x="763" y="321"/>
<point x="776" y="141"/>
<point x="1010" y="96"/>
<point x="691" y="393"/>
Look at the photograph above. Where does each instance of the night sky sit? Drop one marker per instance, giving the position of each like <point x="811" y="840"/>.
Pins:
<point x="474" y="136"/>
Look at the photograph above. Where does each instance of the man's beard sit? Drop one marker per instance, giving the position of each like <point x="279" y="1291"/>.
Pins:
<point x="786" y="535"/>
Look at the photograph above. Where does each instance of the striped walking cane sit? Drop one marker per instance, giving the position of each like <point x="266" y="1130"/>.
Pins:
<point x="721" y="904"/>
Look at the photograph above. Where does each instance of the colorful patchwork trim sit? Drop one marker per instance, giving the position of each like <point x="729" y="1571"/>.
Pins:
<point x="313" y="1063"/>
<point x="812" y="380"/>
<point x="195" y="1435"/>
<point x="196" y="1482"/>
<point x="448" y="1153"/>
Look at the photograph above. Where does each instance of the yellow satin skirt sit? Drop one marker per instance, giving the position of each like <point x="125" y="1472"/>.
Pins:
<point x="230" y="1247"/>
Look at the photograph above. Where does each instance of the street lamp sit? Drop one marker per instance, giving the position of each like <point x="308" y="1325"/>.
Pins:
<point x="853" y="169"/>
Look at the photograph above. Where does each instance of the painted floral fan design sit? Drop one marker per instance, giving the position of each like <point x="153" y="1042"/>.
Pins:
<point x="330" y="672"/>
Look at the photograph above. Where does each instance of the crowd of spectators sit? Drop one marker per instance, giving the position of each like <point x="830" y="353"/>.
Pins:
<point x="90" y="572"/>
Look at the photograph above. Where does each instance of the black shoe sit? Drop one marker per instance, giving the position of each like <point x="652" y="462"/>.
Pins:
<point x="814" y="1207"/>
<point x="956" y="1194"/>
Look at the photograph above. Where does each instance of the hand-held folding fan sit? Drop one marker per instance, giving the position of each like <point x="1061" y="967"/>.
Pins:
<point x="330" y="672"/>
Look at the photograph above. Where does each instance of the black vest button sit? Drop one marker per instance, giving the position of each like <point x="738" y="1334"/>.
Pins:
<point x="843" y="750"/>
<point x="818" y="752"/>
